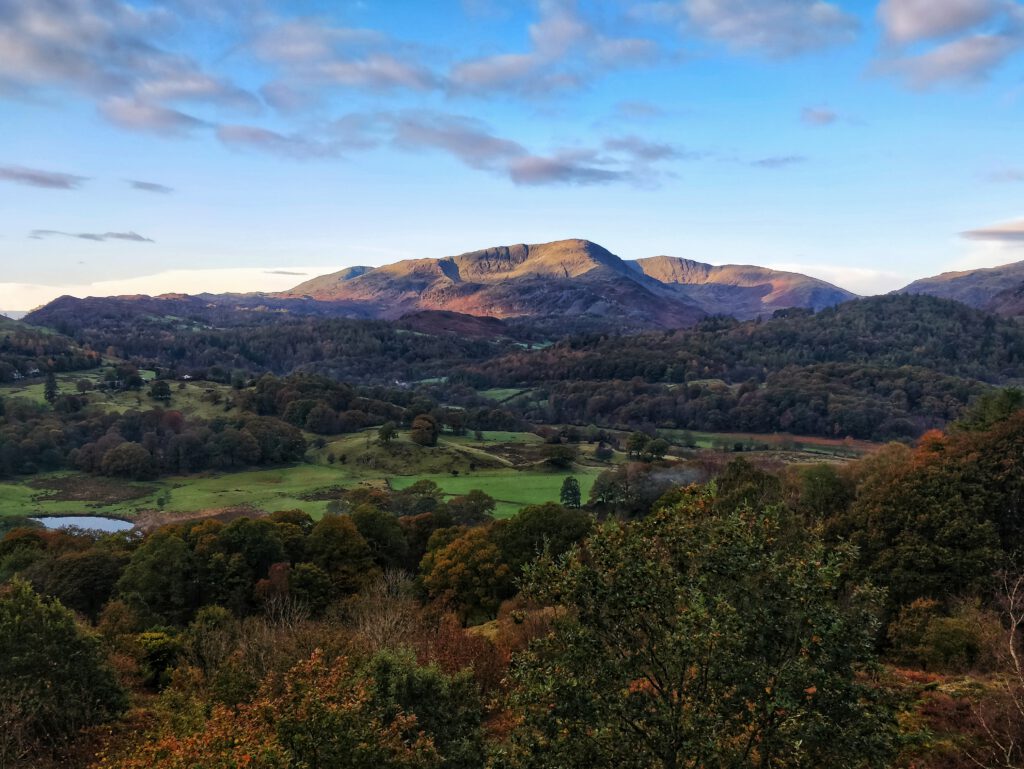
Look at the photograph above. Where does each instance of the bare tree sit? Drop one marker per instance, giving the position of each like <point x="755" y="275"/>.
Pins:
<point x="1000" y="713"/>
<point x="385" y="614"/>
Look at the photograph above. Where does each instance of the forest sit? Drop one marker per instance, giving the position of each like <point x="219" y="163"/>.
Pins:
<point x="884" y="368"/>
<point x="861" y="615"/>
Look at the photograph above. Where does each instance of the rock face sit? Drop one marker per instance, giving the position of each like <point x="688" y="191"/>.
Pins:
<point x="997" y="289"/>
<point x="574" y="278"/>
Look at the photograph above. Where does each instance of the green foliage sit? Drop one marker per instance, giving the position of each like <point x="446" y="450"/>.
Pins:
<point x="537" y="529"/>
<point x="383" y="535"/>
<point x="129" y="460"/>
<point x="387" y="432"/>
<point x="560" y="456"/>
<point x="54" y="680"/>
<point x="697" y="638"/>
<point x="448" y="708"/>
<point x="570" y="495"/>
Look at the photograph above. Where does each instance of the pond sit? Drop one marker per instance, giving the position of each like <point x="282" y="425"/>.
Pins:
<point x="93" y="522"/>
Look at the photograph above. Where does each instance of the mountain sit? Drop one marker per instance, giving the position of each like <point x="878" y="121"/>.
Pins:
<point x="743" y="291"/>
<point x="993" y="288"/>
<point x="574" y="278"/>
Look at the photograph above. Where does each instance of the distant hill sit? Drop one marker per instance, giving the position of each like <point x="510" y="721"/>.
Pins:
<point x="993" y="288"/>
<point x="743" y="291"/>
<point x="13" y="314"/>
<point x="575" y="278"/>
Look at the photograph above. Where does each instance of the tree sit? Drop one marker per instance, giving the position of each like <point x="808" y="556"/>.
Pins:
<point x="636" y="444"/>
<point x="657" y="448"/>
<point x="337" y="547"/>
<point x="51" y="391"/>
<point x="472" y="508"/>
<point x="570" y="494"/>
<point x="560" y="456"/>
<point x="384" y="535"/>
<point x="321" y="714"/>
<point x="387" y="433"/>
<point x="160" y="390"/>
<point x="160" y="581"/>
<point x="129" y="460"/>
<point x="53" y="678"/>
<point x="536" y="529"/>
<point x="468" y="572"/>
<point x="425" y="430"/>
<point x="694" y="639"/>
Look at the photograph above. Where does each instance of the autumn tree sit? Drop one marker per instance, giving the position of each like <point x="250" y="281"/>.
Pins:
<point x="467" y="572"/>
<point x="425" y="430"/>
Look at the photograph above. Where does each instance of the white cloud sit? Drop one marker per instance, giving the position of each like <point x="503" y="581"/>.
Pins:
<point x="25" y="296"/>
<point x="860" y="280"/>
<point x="908" y="21"/>
<point x="776" y="28"/>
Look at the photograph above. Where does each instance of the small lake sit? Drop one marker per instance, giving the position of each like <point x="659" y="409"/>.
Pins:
<point x="94" y="522"/>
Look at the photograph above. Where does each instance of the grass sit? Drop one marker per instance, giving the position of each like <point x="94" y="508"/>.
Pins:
<point x="512" y="488"/>
<point x="285" y="488"/>
<point x="502" y="394"/>
<point x="269" y="490"/>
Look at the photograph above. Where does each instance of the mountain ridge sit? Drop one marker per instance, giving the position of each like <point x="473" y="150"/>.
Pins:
<point x="573" y="276"/>
<point x="997" y="289"/>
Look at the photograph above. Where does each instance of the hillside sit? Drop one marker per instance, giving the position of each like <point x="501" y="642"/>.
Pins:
<point x="572" y="278"/>
<point x="30" y="352"/>
<point x="990" y="288"/>
<point x="879" y="368"/>
<point x="742" y="291"/>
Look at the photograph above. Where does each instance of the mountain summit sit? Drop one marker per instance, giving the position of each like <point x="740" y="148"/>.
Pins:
<point x="575" y="278"/>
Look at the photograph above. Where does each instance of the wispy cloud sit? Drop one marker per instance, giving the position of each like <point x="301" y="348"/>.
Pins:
<point x="95" y="236"/>
<point x="968" y="39"/>
<point x="110" y="52"/>
<point x="1009" y="232"/>
<point x="160" y="189"/>
<point x="618" y="159"/>
<point x="779" y="161"/>
<point x="566" y="51"/>
<point x="33" y="177"/>
<point x="779" y="28"/>
<point x="910" y="21"/>
<point x="135" y="115"/>
<point x="818" y="116"/>
<point x="1007" y="175"/>
<point x="295" y="146"/>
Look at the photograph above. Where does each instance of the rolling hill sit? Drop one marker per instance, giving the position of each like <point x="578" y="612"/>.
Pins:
<point x="575" y="278"/>
<point x="998" y="289"/>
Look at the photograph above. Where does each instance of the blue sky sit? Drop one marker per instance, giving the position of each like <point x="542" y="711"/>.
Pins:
<point x="229" y="145"/>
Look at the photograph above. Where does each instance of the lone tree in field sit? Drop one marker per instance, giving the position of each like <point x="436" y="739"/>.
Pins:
<point x="425" y="430"/>
<point x="570" y="494"/>
<point x="50" y="390"/>
<point x="387" y="433"/>
<point x="160" y="390"/>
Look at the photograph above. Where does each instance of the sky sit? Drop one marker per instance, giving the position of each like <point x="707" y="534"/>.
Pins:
<point x="246" y="145"/>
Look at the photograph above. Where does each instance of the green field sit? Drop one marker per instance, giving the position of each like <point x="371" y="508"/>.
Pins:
<point x="512" y="488"/>
<point x="503" y="464"/>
